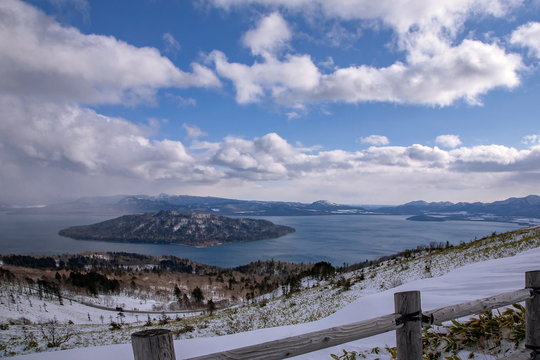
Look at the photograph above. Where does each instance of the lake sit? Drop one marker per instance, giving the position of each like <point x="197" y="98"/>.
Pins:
<point x="334" y="238"/>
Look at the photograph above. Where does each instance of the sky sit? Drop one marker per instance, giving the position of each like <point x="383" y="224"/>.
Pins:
<point x="352" y="101"/>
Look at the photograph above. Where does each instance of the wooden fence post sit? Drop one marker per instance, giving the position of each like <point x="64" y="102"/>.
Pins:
<point x="409" y="337"/>
<point x="532" y="321"/>
<point x="154" y="344"/>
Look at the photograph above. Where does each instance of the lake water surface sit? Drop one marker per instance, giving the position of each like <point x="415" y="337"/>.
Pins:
<point x="335" y="238"/>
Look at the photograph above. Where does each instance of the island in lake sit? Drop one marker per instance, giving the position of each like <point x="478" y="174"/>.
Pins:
<point x="177" y="227"/>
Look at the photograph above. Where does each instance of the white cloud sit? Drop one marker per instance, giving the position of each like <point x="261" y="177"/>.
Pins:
<point x="279" y="78"/>
<point x="528" y="36"/>
<point x="41" y="58"/>
<point x="263" y="158"/>
<point x="272" y="157"/>
<point x="448" y="141"/>
<point x="466" y="71"/>
<point x="437" y="69"/>
<point x="401" y="15"/>
<point x="193" y="131"/>
<point x="498" y="154"/>
<point x="375" y="140"/>
<point x="271" y="35"/>
<point x="295" y="74"/>
<point x="533" y="139"/>
<point x="495" y="158"/>
<point x="57" y="136"/>
<point x="171" y="44"/>
<point x="69" y="137"/>
<point x="68" y="145"/>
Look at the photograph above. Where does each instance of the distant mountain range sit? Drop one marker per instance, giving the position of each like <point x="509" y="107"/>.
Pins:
<point x="524" y="210"/>
<point x="175" y="227"/>
<point x="526" y="207"/>
<point x="136" y="204"/>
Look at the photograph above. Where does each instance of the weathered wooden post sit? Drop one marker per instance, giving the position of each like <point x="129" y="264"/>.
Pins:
<point x="154" y="344"/>
<point x="409" y="337"/>
<point x="532" y="319"/>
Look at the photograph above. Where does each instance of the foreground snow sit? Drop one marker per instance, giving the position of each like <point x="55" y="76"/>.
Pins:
<point x="463" y="284"/>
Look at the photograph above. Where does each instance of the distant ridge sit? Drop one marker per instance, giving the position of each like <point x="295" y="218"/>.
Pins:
<point x="525" y="210"/>
<point x="136" y="204"/>
<point x="528" y="207"/>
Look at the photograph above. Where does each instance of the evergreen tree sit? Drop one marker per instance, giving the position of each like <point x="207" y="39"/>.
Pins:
<point x="197" y="294"/>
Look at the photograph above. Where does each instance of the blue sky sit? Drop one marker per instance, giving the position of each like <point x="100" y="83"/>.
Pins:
<point x="351" y="101"/>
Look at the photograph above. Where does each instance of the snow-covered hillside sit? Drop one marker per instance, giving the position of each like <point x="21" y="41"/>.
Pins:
<point x="327" y="305"/>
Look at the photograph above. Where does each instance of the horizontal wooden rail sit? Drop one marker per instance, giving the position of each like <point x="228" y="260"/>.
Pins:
<point x="457" y="311"/>
<point x="408" y="304"/>
<point x="305" y="343"/>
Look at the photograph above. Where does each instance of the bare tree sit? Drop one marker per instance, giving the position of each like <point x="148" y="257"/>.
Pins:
<point x="55" y="334"/>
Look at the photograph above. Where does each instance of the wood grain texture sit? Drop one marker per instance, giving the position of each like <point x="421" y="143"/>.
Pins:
<point x="155" y="344"/>
<point x="477" y="306"/>
<point x="305" y="343"/>
<point x="532" y="318"/>
<point x="409" y="337"/>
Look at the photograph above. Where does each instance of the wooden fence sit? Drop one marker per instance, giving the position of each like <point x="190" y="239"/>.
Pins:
<point x="407" y="320"/>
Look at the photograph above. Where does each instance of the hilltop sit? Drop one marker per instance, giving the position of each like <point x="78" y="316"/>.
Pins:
<point x="175" y="227"/>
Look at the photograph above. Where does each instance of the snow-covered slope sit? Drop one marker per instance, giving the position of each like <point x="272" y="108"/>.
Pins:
<point x="462" y="284"/>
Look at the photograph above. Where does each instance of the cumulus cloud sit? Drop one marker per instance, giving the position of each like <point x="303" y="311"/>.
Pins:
<point x="495" y="158"/>
<point x="41" y="58"/>
<point x="296" y="74"/>
<point x="466" y="71"/>
<point x="437" y="69"/>
<point x="264" y="157"/>
<point x="50" y="141"/>
<point x="271" y="34"/>
<point x="375" y="140"/>
<point x="448" y="141"/>
<point x="528" y="36"/>
<point x="401" y="15"/>
<point x="66" y="136"/>
<point x="66" y="142"/>
<point x="271" y="157"/>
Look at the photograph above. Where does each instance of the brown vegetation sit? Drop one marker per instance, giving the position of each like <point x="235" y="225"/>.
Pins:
<point x="175" y="283"/>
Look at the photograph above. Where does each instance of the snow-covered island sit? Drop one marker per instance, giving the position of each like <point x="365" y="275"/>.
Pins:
<point x="178" y="227"/>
